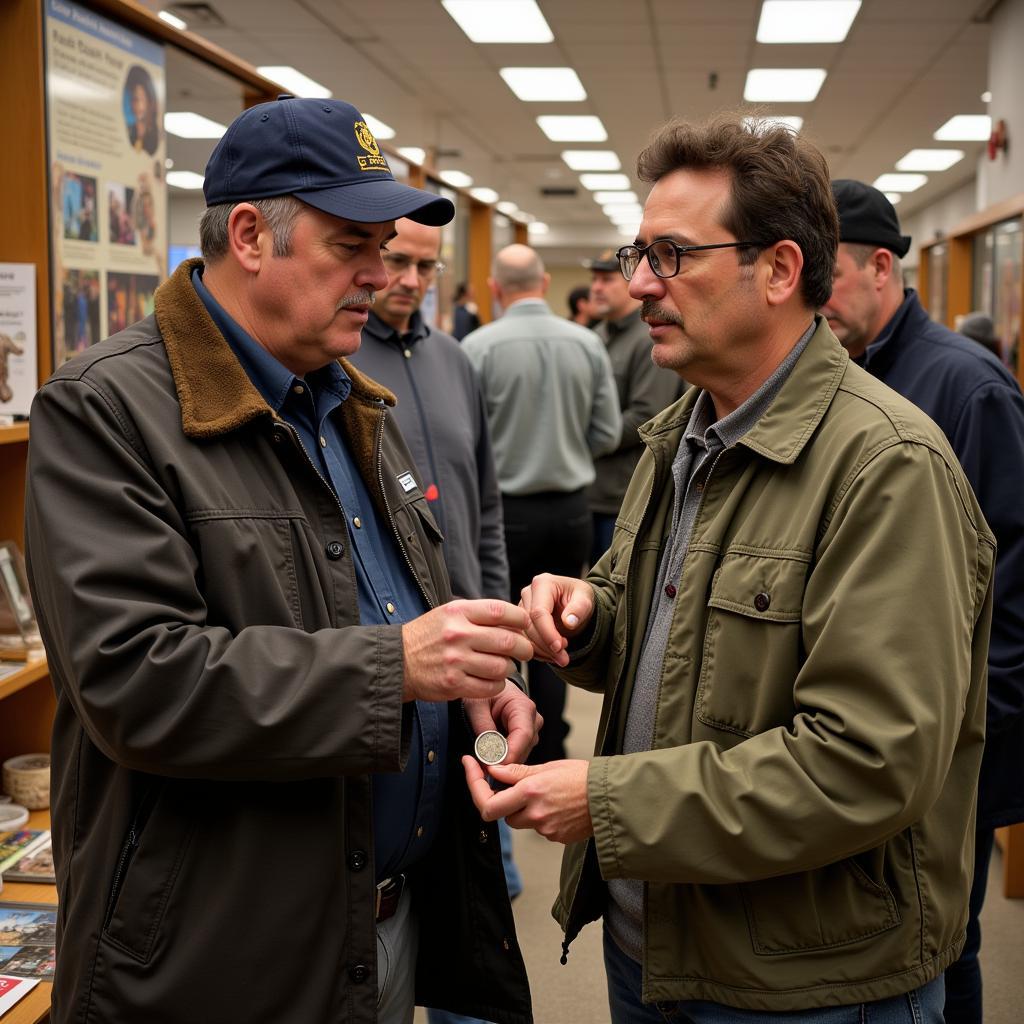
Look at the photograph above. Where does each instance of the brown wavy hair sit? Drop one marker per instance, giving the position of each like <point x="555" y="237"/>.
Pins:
<point x="780" y="188"/>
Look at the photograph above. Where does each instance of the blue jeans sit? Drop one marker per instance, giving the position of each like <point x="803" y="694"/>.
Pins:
<point x="922" y="1006"/>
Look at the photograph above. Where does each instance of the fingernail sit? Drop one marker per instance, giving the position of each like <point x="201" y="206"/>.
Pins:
<point x="573" y="620"/>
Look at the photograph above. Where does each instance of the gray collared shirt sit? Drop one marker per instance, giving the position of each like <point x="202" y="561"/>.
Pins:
<point x="703" y="441"/>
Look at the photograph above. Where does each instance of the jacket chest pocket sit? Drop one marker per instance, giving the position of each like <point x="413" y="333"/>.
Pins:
<point x="752" y="643"/>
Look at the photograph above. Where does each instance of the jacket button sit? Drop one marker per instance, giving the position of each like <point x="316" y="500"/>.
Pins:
<point x="335" y="550"/>
<point x="670" y="589"/>
<point x="357" y="860"/>
<point x="359" y="973"/>
<point x="762" y="601"/>
<point x="481" y="836"/>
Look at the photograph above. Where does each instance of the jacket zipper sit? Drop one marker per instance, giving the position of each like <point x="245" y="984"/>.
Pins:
<point x="131" y="844"/>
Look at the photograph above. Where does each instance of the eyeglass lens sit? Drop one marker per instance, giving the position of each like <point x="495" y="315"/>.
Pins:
<point x="399" y="264"/>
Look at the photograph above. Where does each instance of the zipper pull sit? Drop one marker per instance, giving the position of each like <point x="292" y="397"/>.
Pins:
<point x="565" y="953"/>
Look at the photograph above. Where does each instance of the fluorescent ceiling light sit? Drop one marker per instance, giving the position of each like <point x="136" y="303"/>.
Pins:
<point x="544" y="85"/>
<point x="930" y="160"/>
<point x="783" y="85"/>
<point x="187" y="125"/>
<point x="986" y="96"/>
<point x="507" y="207"/>
<point x="965" y="128"/>
<point x="413" y="153"/>
<point x="185" y="179"/>
<point x="457" y="179"/>
<point x="294" y="81"/>
<point x="629" y="230"/>
<point x="616" y="198"/>
<point x="893" y="197"/>
<point x="900" y="182"/>
<point x="591" y="159"/>
<point x="572" y="128"/>
<point x="791" y="121"/>
<point x="537" y="227"/>
<point x="806" y="21"/>
<point x="379" y="128"/>
<point x="633" y="210"/>
<point x="500" y="21"/>
<point x="485" y="195"/>
<point x="173" y="20"/>
<point x="595" y="182"/>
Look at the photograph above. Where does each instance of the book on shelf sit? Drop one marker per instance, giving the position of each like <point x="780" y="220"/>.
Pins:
<point x="35" y="866"/>
<point x="28" y="934"/>
<point x="20" y="843"/>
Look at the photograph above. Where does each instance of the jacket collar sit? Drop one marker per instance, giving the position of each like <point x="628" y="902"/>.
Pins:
<point x="381" y="331"/>
<point x="785" y="428"/>
<point x="528" y="307"/>
<point x="903" y="325"/>
<point x="214" y="391"/>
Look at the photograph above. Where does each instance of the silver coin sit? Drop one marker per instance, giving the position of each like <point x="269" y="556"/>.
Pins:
<point x="490" y="747"/>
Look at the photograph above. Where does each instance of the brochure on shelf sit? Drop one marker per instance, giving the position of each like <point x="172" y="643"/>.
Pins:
<point x="19" y="372"/>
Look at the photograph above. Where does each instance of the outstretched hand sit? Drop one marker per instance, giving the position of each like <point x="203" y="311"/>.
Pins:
<point x="558" y="608"/>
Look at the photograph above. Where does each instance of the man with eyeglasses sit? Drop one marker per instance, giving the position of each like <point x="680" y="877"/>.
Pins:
<point x="790" y="629"/>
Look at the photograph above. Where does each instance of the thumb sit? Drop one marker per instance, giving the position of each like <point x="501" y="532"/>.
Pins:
<point x="577" y="610"/>
<point x="510" y="774"/>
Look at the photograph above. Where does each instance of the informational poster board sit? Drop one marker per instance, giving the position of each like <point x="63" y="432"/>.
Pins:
<point x="18" y="372"/>
<point x="105" y="91"/>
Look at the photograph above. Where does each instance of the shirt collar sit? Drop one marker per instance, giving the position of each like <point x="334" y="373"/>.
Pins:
<point x="273" y="380"/>
<point x="618" y="326"/>
<point x="383" y="331"/>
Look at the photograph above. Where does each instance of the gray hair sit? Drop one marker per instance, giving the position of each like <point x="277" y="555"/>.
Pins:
<point x="280" y="213"/>
<point x="518" y="268"/>
<point x="861" y="253"/>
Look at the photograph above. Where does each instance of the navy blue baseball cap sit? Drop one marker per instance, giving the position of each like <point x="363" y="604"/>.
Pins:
<point x="320" y="151"/>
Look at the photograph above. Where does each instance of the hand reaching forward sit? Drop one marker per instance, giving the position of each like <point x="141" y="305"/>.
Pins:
<point x="550" y="798"/>
<point x="559" y="607"/>
<point x="463" y="649"/>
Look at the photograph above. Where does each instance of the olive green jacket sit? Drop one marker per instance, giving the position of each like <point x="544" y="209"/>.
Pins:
<point x="804" y="821"/>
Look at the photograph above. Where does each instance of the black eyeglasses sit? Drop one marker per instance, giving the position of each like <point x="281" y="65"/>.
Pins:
<point x="664" y="255"/>
<point x="398" y="263"/>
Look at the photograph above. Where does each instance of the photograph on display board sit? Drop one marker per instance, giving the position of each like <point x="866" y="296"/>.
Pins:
<point x="129" y="299"/>
<point x="141" y="110"/>
<point x="78" y="207"/>
<point x="121" y="213"/>
<point x="79" y="303"/>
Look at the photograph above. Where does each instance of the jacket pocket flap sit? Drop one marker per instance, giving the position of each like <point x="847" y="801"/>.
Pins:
<point x="761" y="586"/>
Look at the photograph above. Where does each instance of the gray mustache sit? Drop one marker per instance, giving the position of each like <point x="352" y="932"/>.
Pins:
<point x="366" y="297"/>
<point x="651" y="310"/>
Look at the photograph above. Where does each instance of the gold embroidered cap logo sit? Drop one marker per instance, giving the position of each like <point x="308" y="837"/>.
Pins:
<point x="373" y="162"/>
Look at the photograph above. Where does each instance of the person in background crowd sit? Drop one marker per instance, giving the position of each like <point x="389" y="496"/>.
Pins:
<point x="580" y="311"/>
<point x="777" y="821"/>
<point x="466" y="317"/>
<point x="552" y="409"/>
<point x="644" y="390"/>
<point x="979" y="327"/>
<point x="971" y="395"/>
<point x="259" y="673"/>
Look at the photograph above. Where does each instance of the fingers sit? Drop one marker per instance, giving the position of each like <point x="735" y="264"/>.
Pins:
<point x="492" y="805"/>
<point x="492" y="612"/>
<point x="522" y="724"/>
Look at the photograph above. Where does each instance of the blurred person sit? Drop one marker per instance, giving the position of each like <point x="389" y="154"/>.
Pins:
<point x="776" y="824"/>
<point x="644" y="390"/>
<point x="580" y="308"/>
<point x="258" y="669"/>
<point x="552" y="409"/>
<point x="972" y="396"/>
<point x="466" y="316"/>
<point x="979" y="327"/>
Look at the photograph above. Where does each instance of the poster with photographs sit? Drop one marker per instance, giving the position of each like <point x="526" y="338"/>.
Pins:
<point x="105" y="91"/>
<point x="18" y="373"/>
<point x="28" y="934"/>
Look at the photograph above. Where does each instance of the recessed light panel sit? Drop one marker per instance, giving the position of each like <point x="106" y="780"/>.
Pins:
<point x="965" y="128"/>
<point x="507" y="207"/>
<point x="484" y="195"/>
<point x="572" y="128"/>
<point x="185" y="179"/>
<point x="900" y="182"/>
<point x="413" y="153"/>
<point x="893" y="197"/>
<point x="294" y="81"/>
<point x="806" y="21"/>
<point x="379" y="128"/>
<point x="595" y="182"/>
<point x="783" y="85"/>
<point x="537" y="227"/>
<point x="544" y="85"/>
<point x="457" y="179"/>
<point x="591" y="159"/>
<point x="173" y="20"/>
<point x="500" y="21"/>
<point x="615" y="198"/>
<point x="187" y="125"/>
<point x="930" y="160"/>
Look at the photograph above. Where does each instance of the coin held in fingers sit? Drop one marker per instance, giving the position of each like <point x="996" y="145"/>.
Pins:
<point x="490" y="747"/>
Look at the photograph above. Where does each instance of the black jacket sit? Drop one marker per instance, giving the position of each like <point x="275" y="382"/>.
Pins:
<point x="219" y="708"/>
<point x="974" y="399"/>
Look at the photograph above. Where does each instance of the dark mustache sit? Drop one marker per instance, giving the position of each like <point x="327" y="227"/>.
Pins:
<point x="650" y="310"/>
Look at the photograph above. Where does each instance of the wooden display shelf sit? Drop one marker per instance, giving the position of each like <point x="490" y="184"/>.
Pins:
<point x="32" y="672"/>
<point x="14" y="434"/>
<point x="35" y="1007"/>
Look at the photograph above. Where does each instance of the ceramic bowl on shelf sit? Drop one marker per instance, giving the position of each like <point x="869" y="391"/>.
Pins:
<point x="26" y="778"/>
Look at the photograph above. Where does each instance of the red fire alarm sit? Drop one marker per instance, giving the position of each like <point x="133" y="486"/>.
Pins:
<point x="998" y="141"/>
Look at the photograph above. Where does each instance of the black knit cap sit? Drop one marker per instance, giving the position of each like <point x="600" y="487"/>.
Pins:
<point x="866" y="217"/>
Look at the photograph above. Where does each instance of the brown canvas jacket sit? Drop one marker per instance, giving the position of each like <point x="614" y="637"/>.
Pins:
<point x="220" y="710"/>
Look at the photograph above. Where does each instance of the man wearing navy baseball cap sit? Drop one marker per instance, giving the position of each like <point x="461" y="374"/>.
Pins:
<point x="977" y="403"/>
<point x="263" y="687"/>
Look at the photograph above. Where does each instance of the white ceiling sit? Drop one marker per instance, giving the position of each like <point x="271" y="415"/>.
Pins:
<point x="904" y="69"/>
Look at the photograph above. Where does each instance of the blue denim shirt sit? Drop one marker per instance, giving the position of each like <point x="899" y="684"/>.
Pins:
<point x="406" y="805"/>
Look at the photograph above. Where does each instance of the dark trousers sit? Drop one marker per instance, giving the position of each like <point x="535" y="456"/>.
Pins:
<point x="963" y="979"/>
<point x="547" y="532"/>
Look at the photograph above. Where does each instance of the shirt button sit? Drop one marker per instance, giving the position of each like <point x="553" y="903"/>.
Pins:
<point x="357" y="523"/>
<point x="335" y="550"/>
<point x="390" y="607"/>
<point x="407" y="353"/>
<point x="431" y="757"/>
<point x="359" y="973"/>
<point x="670" y="590"/>
<point x="298" y="389"/>
<point x="762" y="601"/>
<point x="323" y="441"/>
<point x="419" y="832"/>
<point x="357" y="860"/>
